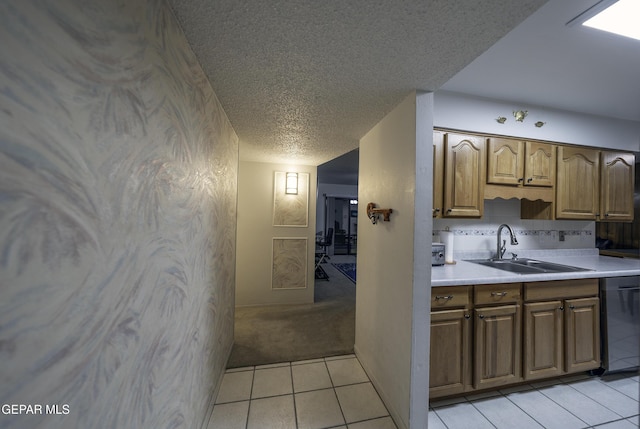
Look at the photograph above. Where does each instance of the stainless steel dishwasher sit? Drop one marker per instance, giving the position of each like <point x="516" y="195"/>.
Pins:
<point x="620" y="307"/>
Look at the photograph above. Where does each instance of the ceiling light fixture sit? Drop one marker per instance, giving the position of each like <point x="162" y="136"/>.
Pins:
<point x="614" y="16"/>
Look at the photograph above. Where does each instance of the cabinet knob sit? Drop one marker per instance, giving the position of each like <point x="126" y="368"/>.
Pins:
<point x="481" y="316"/>
<point x="466" y="316"/>
<point x="571" y="307"/>
<point x="521" y="179"/>
<point x="530" y="179"/>
<point x="606" y="215"/>
<point x="561" y="308"/>
<point x="436" y="210"/>
<point x="449" y="210"/>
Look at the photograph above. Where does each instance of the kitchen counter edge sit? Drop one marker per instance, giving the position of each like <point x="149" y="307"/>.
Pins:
<point x="468" y="273"/>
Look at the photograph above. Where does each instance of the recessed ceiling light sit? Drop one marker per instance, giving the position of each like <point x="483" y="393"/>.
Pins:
<point x="622" y="18"/>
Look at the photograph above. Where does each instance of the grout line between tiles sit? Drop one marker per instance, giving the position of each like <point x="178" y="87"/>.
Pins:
<point x="600" y="403"/>
<point x="253" y="376"/>
<point x="293" y="397"/>
<point x="524" y="411"/>
<point x="560" y="405"/>
<point x="485" y="417"/>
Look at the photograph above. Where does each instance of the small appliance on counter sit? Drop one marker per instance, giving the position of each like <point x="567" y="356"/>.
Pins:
<point x="437" y="254"/>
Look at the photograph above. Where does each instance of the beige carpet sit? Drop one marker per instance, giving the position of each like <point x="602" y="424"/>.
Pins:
<point x="284" y="333"/>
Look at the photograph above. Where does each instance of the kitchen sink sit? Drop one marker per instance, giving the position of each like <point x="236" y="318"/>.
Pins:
<point x="527" y="266"/>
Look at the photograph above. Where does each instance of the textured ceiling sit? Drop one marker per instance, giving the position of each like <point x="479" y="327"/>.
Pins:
<point x="302" y="80"/>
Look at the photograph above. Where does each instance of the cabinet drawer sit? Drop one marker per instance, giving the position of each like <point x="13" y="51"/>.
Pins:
<point x="448" y="297"/>
<point x="497" y="294"/>
<point x="560" y="289"/>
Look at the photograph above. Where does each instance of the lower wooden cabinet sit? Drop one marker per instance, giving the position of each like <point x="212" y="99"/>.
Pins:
<point x="582" y="334"/>
<point x="487" y="336"/>
<point x="450" y="360"/>
<point x="543" y="339"/>
<point x="497" y="350"/>
<point x="561" y="328"/>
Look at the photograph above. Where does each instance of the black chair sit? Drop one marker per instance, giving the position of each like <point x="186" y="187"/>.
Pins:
<point x="322" y="256"/>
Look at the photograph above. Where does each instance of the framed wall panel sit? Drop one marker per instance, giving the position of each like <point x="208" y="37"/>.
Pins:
<point x="290" y="210"/>
<point x="289" y="263"/>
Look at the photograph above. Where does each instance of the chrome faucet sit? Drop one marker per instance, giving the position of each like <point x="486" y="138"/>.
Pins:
<point x="501" y="248"/>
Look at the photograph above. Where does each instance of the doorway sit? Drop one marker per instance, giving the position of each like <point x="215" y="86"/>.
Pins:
<point x="341" y="214"/>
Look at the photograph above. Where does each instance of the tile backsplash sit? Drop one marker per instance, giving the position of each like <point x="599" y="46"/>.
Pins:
<point x="480" y="234"/>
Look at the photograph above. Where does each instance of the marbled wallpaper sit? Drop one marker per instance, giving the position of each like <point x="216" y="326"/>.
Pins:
<point x="118" y="189"/>
<point x="289" y="267"/>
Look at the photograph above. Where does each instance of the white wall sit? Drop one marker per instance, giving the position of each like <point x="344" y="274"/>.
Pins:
<point x="256" y="233"/>
<point x="463" y="112"/>
<point x="118" y="172"/>
<point x="392" y="350"/>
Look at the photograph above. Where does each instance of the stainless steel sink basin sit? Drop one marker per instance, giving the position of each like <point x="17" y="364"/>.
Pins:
<point x="526" y="266"/>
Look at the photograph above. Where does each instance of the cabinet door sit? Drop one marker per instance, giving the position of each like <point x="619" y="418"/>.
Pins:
<point x="582" y="334"/>
<point x="616" y="186"/>
<point x="438" y="173"/>
<point x="577" y="190"/>
<point x="464" y="175"/>
<point x="498" y="357"/>
<point x="449" y="368"/>
<point x="505" y="161"/>
<point x="543" y="342"/>
<point x="539" y="164"/>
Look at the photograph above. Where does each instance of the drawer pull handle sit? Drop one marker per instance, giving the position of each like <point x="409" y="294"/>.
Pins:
<point x="498" y="294"/>
<point x="447" y="297"/>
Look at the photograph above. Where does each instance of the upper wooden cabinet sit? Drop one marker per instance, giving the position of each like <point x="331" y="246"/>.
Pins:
<point x="552" y="181"/>
<point x="616" y="186"/>
<point x="465" y="168"/>
<point x="505" y="162"/>
<point x="578" y="187"/>
<point x="438" y="173"/>
<point x="514" y="162"/>
<point x="539" y="164"/>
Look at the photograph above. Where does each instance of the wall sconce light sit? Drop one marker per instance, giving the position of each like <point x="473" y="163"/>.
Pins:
<point x="291" y="184"/>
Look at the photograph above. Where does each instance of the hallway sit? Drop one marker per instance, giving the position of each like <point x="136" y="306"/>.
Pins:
<point x="285" y="333"/>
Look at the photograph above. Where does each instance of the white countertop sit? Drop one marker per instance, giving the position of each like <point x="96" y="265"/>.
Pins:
<point x="468" y="273"/>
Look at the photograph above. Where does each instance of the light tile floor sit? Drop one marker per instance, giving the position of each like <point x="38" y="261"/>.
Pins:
<point x="581" y="401"/>
<point x="333" y="392"/>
